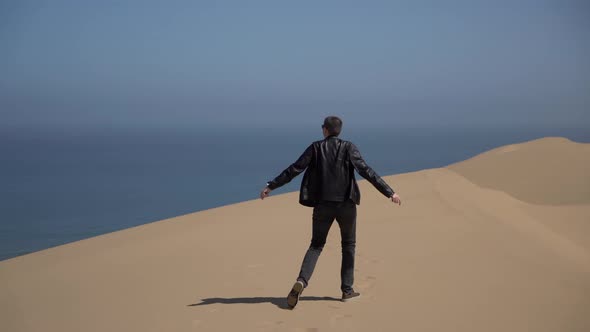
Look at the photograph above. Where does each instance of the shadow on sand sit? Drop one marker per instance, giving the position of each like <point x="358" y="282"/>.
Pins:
<point x="280" y="302"/>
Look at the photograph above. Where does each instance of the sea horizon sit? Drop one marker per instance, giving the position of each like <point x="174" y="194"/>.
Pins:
<point x="64" y="185"/>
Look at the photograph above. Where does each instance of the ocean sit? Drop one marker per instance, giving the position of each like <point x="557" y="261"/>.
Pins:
<point x="59" y="186"/>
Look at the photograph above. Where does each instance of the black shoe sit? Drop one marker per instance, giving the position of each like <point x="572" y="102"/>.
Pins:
<point x="350" y="295"/>
<point x="293" y="296"/>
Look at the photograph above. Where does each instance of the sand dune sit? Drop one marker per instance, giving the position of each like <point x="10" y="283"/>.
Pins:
<point x="500" y="242"/>
<point x="552" y="170"/>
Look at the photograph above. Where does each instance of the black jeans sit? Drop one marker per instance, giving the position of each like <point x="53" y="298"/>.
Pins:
<point x="323" y="215"/>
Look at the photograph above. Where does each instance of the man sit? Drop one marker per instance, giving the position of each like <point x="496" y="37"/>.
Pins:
<point x="329" y="186"/>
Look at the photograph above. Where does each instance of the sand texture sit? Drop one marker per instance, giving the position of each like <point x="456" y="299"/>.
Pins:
<point x="499" y="242"/>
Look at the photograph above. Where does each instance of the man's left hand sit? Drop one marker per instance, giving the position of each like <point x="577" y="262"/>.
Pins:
<point x="265" y="192"/>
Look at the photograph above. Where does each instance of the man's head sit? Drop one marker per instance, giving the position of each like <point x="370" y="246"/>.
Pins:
<point x="332" y="126"/>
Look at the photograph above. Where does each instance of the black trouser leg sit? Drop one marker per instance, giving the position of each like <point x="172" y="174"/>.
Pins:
<point x="346" y="218"/>
<point x="323" y="216"/>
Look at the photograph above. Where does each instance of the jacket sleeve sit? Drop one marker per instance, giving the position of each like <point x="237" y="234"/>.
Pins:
<point x="367" y="172"/>
<point x="293" y="170"/>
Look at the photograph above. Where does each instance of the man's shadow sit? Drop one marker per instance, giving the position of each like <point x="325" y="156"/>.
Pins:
<point x="280" y="302"/>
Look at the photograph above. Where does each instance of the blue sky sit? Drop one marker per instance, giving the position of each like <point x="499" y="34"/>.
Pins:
<point x="267" y="63"/>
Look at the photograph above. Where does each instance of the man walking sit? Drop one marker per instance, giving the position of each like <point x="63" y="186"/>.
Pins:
<point x="329" y="186"/>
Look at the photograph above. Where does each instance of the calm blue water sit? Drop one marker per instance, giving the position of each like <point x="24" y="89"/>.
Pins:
<point x="59" y="187"/>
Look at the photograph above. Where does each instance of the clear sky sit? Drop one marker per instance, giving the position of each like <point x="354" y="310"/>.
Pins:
<point x="267" y="63"/>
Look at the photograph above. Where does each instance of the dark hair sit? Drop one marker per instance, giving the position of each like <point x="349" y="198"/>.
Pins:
<point x="333" y="124"/>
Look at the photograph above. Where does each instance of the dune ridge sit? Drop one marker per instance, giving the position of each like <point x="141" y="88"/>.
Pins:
<point x="550" y="170"/>
<point x="480" y="245"/>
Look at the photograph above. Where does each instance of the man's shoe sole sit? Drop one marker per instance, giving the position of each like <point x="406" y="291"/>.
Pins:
<point x="294" y="294"/>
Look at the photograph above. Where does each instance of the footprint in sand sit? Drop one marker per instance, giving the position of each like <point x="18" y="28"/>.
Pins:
<point x="368" y="280"/>
<point x="367" y="260"/>
<point x="305" y="329"/>
<point x="337" y="318"/>
<point x="367" y="283"/>
<point x="271" y="326"/>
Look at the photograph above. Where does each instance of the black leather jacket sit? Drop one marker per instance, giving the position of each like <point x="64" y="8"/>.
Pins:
<point x="330" y="165"/>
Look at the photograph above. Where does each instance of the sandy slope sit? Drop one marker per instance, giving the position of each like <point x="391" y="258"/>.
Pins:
<point x="552" y="171"/>
<point x="470" y="249"/>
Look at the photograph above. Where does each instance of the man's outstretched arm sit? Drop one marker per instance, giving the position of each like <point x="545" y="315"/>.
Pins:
<point x="290" y="172"/>
<point x="368" y="173"/>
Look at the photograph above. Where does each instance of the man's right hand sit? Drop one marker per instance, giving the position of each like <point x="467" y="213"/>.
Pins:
<point x="396" y="199"/>
<point x="265" y="192"/>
